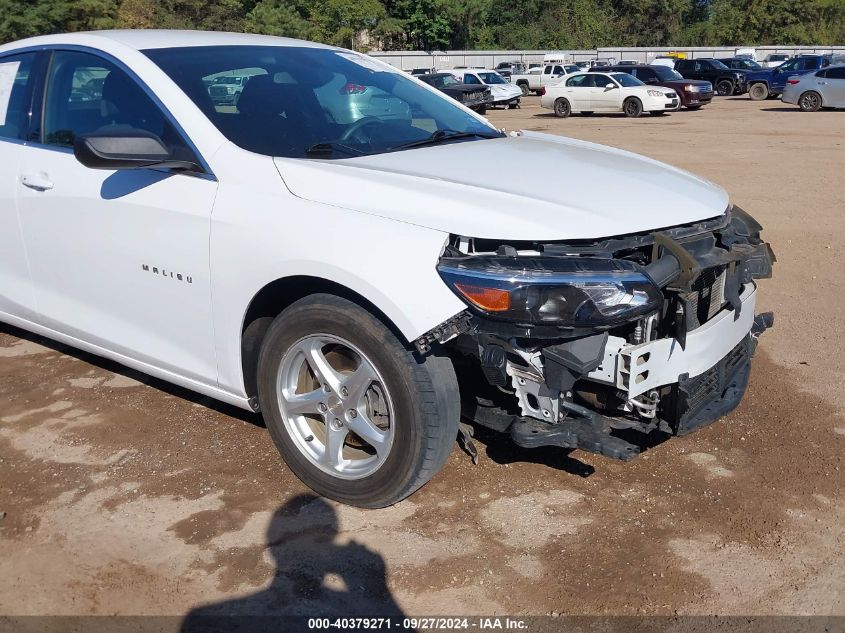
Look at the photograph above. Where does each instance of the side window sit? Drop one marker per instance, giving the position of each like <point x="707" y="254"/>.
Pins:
<point x="547" y="70"/>
<point x="86" y="93"/>
<point x="577" y="81"/>
<point x="559" y="70"/>
<point x="646" y="74"/>
<point x="471" y="79"/>
<point x="836" y="73"/>
<point x="699" y="66"/>
<point x="592" y="80"/>
<point x="822" y="73"/>
<point x="16" y="82"/>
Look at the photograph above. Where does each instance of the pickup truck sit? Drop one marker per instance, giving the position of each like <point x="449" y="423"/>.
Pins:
<point x="726" y="81"/>
<point x="770" y="82"/>
<point x="538" y="78"/>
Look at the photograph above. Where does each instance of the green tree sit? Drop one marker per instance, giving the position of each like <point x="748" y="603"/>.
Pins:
<point x="342" y="22"/>
<point x="279" y="17"/>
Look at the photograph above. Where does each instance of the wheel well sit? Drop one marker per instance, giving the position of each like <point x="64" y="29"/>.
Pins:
<point x="272" y="299"/>
<point x="521" y="82"/>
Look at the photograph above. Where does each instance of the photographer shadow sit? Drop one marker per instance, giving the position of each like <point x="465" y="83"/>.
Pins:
<point x="314" y="578"/>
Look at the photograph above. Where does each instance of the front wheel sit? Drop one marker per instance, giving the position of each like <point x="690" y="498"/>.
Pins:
<point x="562" y="108"/>
<point x="724" y="87"/>
<point x="633" y="107"/>
<point x="758" y="92"/>
<point x="355" y="415"/>
<point x="810" y="101"/>
<point x="481" y="110"/>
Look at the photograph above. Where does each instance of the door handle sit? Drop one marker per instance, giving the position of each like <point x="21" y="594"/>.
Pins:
<point x="822" y="83"/>
<point x="39" y="181"/>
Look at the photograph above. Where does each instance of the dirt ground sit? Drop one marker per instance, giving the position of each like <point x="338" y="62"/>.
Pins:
<point x="121" y="494"/>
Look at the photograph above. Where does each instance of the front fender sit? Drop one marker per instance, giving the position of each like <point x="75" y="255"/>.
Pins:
<point x="260" y="236"/>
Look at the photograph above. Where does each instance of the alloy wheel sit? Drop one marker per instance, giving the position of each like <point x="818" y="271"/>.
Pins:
<point x="335" y="406"/>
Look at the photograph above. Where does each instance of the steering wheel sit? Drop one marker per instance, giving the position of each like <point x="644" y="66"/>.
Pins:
<point x="359" y="125"/>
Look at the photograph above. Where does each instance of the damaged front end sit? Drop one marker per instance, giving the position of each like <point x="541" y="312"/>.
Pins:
<point x="577" y="344"/>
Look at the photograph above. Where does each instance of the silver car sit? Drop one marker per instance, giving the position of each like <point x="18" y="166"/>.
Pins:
<point x="823" y="88"/>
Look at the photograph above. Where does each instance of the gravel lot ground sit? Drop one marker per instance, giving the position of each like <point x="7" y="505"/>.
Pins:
<point x="122" y="494"/>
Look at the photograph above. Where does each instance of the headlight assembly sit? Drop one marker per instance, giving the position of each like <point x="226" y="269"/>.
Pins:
<point x="576" y="292"/>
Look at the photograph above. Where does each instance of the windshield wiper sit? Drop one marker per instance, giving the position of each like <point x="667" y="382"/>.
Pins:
<point x="329" y="148"/>
<point x="440" y="136"/>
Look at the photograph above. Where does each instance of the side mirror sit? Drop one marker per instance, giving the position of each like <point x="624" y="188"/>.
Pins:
<point x="127" y="148"/>
<point x="609" y="87"/>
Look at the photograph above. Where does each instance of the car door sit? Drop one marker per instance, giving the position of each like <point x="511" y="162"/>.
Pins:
<point x="119" y="259"/>
<point x="17" y="79"/>
<point x="833" y="87"/>
<point x="575" y="91"/>
<point x="783" y="72"/>
<point x="602" y="98"/>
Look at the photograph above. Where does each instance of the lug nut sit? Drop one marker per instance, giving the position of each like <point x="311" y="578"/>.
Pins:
<point x="337" y="424"/>
<point x="344" y="391"/>
<point x="352" y="413"/>
<point x="322" y="407"/>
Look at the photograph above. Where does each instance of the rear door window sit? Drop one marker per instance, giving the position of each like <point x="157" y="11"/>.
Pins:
<point x="836" y="73"/>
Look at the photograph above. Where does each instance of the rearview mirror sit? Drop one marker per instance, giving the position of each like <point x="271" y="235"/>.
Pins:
<point x="127" y="148"/>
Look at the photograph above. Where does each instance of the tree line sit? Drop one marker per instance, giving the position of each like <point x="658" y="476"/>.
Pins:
<point x="454" y="24"/>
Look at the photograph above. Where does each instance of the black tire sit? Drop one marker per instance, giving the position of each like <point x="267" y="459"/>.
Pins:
<point x="632" y="107"/>
<point x="758" y="92"/>
<point x="810" y="101"/>
<point x="562" y="108"/>
<point x="524" y="87"/>
<point x="724" y="87"/>
<point x="426" y="401"/>
<point x="482" y="110"/>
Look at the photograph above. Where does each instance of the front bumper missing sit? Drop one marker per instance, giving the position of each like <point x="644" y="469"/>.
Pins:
<point x="637" y="369"/>
<point x="674" y="370"/>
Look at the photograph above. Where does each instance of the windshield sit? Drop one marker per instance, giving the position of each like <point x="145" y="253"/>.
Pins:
<point x="492" y="78"/>
<point x="313" y="102"/>
<point x="664" y="73"/>
<point x="627" y="80"/>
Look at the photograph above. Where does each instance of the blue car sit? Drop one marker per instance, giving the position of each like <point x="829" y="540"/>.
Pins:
<point x="770" y="82"/>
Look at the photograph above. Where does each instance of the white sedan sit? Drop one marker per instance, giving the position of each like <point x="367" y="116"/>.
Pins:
<point x="504" y="93"/>
<point x="346" y="251"/>
<point x="608" y="92"/>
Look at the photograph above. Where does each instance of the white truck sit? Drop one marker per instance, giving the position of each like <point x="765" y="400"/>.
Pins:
<point x="537" y="79"/>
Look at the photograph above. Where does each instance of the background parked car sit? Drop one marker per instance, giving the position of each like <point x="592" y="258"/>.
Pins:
<point x="770" y="82"/>
<point x="726" y="81"/>
<point x="227" y="89"/>
<point x="693" y="93"/>
<point x="740" y="63"/>
<point x="503" y="92"/>
<point x="608" y="92"/>
<point x="824" y="88"/>
<point x="536" y="81"/>
<point x="773" y="60"/>
<point x="471" y="95"/>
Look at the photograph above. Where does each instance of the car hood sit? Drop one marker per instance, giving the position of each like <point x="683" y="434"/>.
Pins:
<point x="527" y="186"/>
<point x="674" y="83"/>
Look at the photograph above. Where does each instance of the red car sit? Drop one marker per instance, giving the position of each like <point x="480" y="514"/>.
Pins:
<point x="694" y="92"/>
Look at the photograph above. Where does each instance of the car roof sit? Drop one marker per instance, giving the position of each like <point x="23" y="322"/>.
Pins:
<point x="144" y="39"/>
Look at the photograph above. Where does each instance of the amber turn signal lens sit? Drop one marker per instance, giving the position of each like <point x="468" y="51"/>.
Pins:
<point x="489" y="299"/>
